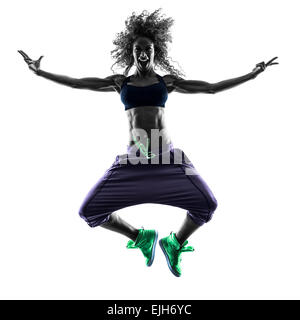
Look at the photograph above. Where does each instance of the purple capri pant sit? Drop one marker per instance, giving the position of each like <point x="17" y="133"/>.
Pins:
<point x="128" y="184"/>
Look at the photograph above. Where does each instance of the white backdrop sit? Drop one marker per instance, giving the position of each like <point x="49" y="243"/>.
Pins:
<point x="56" y="142"/>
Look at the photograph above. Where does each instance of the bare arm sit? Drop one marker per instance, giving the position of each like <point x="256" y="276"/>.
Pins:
<point x="96" y="84"/>
<point x="111" y="83"/>
<point x="196" y="86"/>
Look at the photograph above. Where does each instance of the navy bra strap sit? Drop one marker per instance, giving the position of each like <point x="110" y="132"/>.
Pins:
<point x="125" y="81"/>
<point x="160" y="79"/>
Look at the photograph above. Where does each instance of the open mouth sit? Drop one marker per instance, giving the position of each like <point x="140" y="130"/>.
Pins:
<point x="144" y="63"/>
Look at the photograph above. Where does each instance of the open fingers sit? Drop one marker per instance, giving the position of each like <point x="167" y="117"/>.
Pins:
<point x="23" y="54"/>
<point x="269" y="63"/>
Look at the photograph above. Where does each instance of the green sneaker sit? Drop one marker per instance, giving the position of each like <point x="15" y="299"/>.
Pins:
<point x="172" y="251"/>
<point x="146" y="241"/>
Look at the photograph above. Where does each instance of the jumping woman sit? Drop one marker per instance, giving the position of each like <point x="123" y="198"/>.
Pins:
<point x="142" y="175"/>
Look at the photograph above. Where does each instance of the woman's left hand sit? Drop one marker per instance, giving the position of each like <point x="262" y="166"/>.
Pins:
<point x="33" y="65"/>
<point x="260" y="67"/>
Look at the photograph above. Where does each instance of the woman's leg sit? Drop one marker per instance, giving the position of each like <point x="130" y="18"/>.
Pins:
<point x="188" y="227"/>
<point x="118" y="188"/>
<point x="117" y="224"/>
<point x="182" y="186"/>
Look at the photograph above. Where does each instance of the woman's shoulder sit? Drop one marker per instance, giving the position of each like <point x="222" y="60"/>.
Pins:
<point x="118" y="80"/>
<point x="170" y="78"/>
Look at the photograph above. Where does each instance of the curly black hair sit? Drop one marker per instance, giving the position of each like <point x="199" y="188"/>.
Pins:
<point x="150" y="25"/>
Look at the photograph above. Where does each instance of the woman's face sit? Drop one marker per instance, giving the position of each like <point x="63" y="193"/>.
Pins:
<point x="143" y="53"/>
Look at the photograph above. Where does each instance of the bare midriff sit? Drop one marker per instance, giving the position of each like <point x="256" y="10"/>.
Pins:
<point x="146" y="124"/>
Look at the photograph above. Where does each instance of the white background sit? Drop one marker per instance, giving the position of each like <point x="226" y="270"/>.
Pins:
<point x="56" y="142"/>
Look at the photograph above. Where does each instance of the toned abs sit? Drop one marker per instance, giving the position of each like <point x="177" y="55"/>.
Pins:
<point x="147" y="118"/>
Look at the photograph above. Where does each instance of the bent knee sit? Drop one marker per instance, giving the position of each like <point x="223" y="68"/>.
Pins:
<point x="213" y="204"/>
<point x="84" y="211"/>
<point x="93" y="216"/>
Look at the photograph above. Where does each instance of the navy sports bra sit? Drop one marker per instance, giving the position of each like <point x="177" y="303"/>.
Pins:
<point x="154" y="95"/>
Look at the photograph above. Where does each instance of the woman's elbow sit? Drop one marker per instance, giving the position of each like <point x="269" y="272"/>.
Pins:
<point x="77" y="84"/>
<point x="211" y="89"/>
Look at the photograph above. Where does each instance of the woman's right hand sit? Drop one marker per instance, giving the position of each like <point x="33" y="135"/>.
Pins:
<point x="260" y="67"/>
<point x="33" y="65"/>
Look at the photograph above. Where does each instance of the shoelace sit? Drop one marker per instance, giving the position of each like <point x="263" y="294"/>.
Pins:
<point x="131" y="244"/>
<point x="185" y="248"/>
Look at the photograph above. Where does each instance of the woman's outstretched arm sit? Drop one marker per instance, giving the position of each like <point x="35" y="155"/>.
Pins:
<point x="110" y="83"/>
<point x="195" y="86"/>
<point x="91" y="83"/>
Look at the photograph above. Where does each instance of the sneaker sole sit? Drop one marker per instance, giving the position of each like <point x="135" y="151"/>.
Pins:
<point x="167" y="257"/>
<point x="153" y="250"/>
